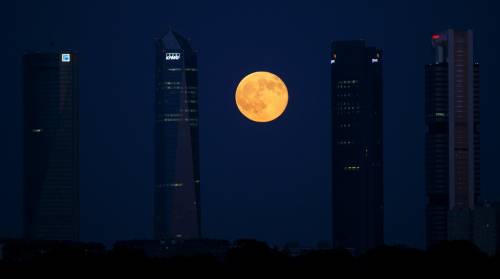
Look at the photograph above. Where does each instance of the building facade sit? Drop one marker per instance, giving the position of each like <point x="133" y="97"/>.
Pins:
<point x="357" y="146"/>
<point x="177" y="171"/>
<point x="486" y="227"/>
<point x="452" y="137"/>
<point x="51" y="150"/>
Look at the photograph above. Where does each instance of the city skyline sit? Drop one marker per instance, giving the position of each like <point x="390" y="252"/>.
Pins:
<point x="292" y="201"/>
<point x="51" y="78"/>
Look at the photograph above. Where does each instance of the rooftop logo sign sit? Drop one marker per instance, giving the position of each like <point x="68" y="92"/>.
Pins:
<point x="172" y="56"/>
<point x="65" y="57"/>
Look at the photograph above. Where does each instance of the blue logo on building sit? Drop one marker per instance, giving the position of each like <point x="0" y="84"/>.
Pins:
<point x="65" y="57"/>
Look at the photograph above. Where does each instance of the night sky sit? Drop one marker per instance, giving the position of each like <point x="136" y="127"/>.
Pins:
<point x="267" y="181"/>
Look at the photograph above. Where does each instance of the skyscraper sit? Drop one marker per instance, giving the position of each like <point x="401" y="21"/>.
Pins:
<point x="452" y="137"/>
<point x="357" y="159"/>
<point x="177" y="171"/>
<point x="51" y="164"/>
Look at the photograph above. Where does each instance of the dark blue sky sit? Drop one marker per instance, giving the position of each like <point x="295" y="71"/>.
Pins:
<point x="267" y="181"/>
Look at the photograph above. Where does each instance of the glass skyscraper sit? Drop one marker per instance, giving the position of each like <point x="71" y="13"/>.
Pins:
<point x="357" y="159"/>
<point x="452" y="137"/>
<point x="51" y="164"/>
<point x="177" y="171"/>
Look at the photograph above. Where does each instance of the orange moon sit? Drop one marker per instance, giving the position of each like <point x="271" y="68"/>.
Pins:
<point x="261" y="96"/>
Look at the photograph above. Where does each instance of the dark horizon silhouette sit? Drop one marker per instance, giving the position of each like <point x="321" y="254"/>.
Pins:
<point x="243" y="257"/>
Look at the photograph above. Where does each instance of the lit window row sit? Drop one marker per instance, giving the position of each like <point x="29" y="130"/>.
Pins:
<point x="347" y="103"/>
<point x="177" y="119"/>
<point x="346" y="112"/>
<point x="348" y="108"/>
<point x="172" y="115"/>
<point x="180" y="114"/>
<point x="344" y="86"/>
<point x="344" y="95"/>
<point x="174" y="87"/>
<point x="354" y="81"/>
<point x="351" y="168"/>
<point x="345" y="142"/>
<point x="170" y="185"/>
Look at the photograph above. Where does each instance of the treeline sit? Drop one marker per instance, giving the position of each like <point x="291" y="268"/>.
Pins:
<point x="249" y="257"/>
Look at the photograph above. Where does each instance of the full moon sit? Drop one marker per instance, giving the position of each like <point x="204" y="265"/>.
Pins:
<point x="261" y="96"/>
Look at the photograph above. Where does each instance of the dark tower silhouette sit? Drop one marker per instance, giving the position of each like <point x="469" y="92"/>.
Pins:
<point x="177" y="174"/>
<point x="356" y="75"/>
<point x="51" y="164"/>
<point x="452" y="137"/>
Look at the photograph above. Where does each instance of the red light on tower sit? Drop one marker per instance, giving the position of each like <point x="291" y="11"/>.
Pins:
<point x="436" y="36"/>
